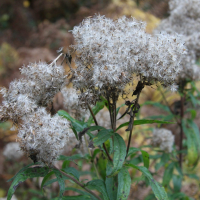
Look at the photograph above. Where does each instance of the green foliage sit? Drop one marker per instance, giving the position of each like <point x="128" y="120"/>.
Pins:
<point x="144" y="121"/>
<point x="157" y="188"/>
<point x="25" y="173"/>
<point x="102" y="136"/>
<point x="124" y="181"/>
<point x="98" y="185"/>
<point x="112" y="178"/>
<point x="119" y="154"/>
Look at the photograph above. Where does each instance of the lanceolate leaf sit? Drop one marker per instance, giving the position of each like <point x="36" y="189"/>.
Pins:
<point x="94" y="128"/>
<point x="124" y="184"/>
<point x="192" y="145"/>
<point x="61" y="182"/>
<point x="79" y="197"/>
<point x="81" y="192"/>
<point x="102" y="136"/>
<point x="195" y="128"/>
<point x="158" y="105"/>
<point x="98" y="185"/>
<point x="168" y="174"/>
<point x="71" y="158"/>
<point x="157" y="188"/>
<point x="21" y="170"/>
<point x="111" y="183"/>
<point x="119" y="154"/>
<point x="46" y="178"/>
<point x="144" y="121"/>
<point x="72" y="171"/>
<point x="77" y="125"/>
<point x="37" y="171"/>
<point x="145" y="155"/>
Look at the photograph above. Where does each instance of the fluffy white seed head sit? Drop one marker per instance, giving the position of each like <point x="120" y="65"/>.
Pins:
<point x="184" y="19"/>
<point x="163" y="138"/>
<point x="12" y="151"/>
<point x="44" y="81"/>
<point x="72" y="104"/>
<point x="37" y="88"/>
<point x="109" y="53"/>
<point x="43" y="137"/>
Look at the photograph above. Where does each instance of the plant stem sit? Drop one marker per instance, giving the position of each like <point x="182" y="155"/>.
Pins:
<point x="78" y="183"/>
<point x="130" y="135"/>
<point x="181" y="132"/>
<point x="95" y="121"/>
<point x="90" y="153"/>
<point x="112" y="108"/>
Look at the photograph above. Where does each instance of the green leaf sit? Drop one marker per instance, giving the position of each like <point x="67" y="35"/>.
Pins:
<point x="99" y="106"/>
<point x="177" y="182"/>
<point x="110" y="183"/>
<point x="145" y="155"/>
<point x="80" y="197"/>
<point x="144" y="121"/>
<point x="168" y="174"/>
<point x="162" y="117"/>
<point x="75" y="133"/>
<point x="71" y="170"/>
<point x="119" y="154"/>
<point x="49" y="182"/>
<point x="21" y="176"/>
<point x="94" y="128"/>
<point x="101" y="165"/>
<point x="158" y="190"/>
<point x="46" y="178"/>
<point x="195" y="128"/>
<point x="193" y="99"/>
<point x="81" y="192"/>
<point x="21" y="170"/>
<point x="124" y="184"/>
<point x="77" y="125"/>
<point x="102" y="136"/>
<point x="98" y="185"/>
<point x="71" y="158"/>
<point x="192" y="145"/>
<point x="164" y="159"/>
<point x="132" y="150"/>
<point x="158" y="105"/>
<point x="193" y="113"/>
<point x="61" y="182"/>
<point x="96" y="151"/>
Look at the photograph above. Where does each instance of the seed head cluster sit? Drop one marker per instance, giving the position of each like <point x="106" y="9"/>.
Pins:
<point x="163" y="138"/>
<point x="72" y="104"/>
<point x="41" y="136"/>
<point x="184" y="19"/>
<point x="109" y="52"/>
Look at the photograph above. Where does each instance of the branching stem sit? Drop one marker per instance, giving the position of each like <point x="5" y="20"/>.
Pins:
<point x="130" y="135"/>
<point x="95" y="121"/>
<point x="78" y="183"/>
